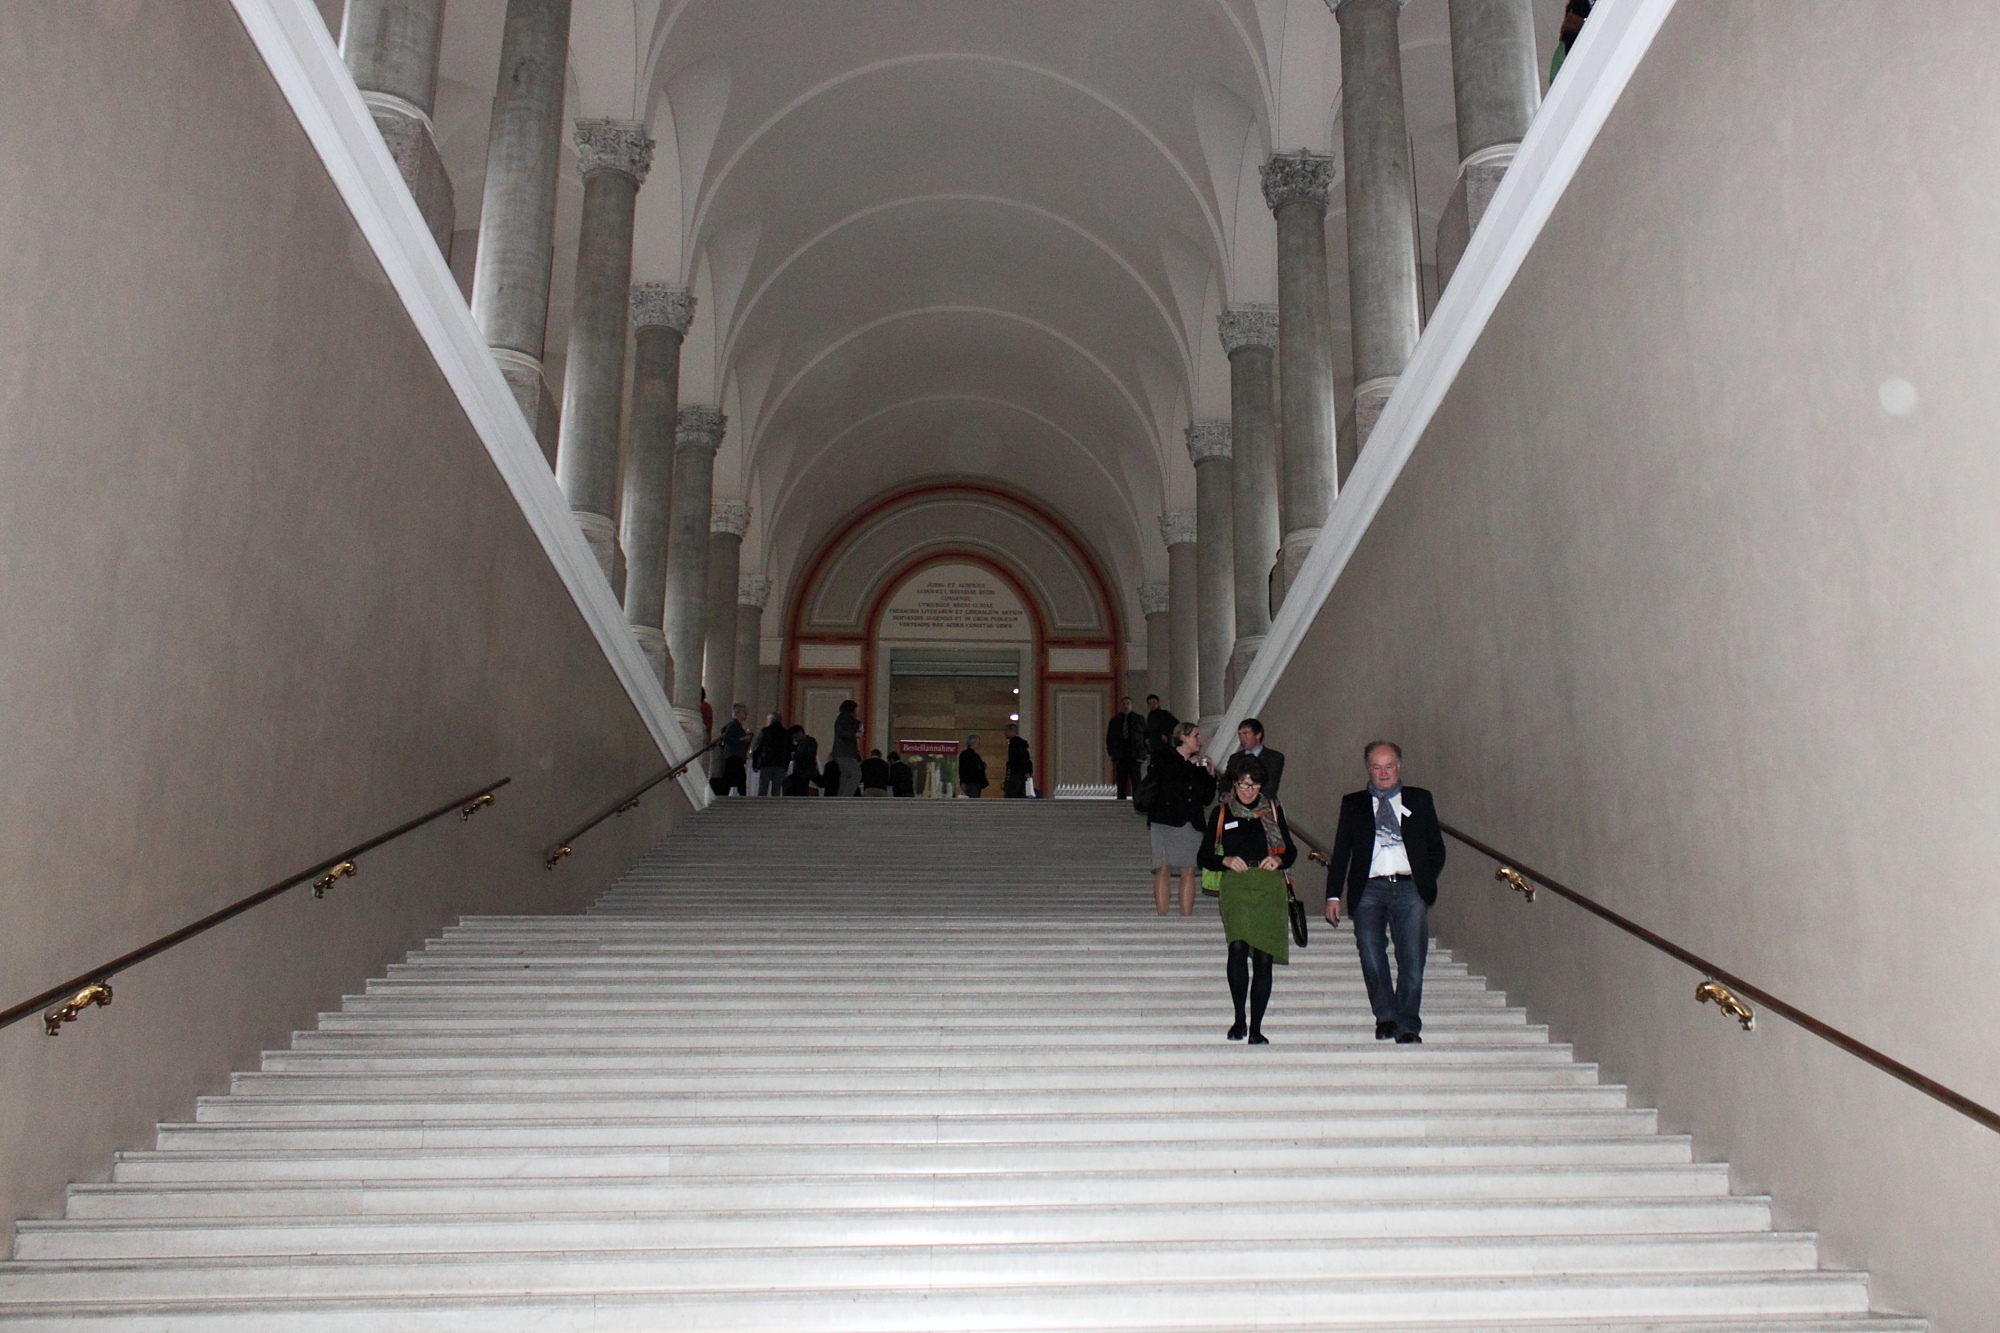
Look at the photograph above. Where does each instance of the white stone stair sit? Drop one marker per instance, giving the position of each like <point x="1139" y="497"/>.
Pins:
<point x="910" y="1065"/>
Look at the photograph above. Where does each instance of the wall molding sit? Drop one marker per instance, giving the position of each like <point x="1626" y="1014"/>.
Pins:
<point x="293" y="41"/>
<point x="1593" y="78"/>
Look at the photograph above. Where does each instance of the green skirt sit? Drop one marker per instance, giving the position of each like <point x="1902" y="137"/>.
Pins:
<point x="1254" y="910"/>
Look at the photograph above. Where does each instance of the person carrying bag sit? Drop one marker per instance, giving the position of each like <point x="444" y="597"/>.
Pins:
<point x="1250" y="848"/>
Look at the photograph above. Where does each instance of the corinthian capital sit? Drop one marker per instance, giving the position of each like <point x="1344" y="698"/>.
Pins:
<point x="1177" y="526"/>
<point x="614" y="145"/>
<point x="699" y="428"/>
<point x="753" y="590"/>
<point x="1247" y="326"/>
<point x="1208" y="439"/>
<point x="728" y="518"/>
<point x="1291" y="178"/>
<point x="657" y="305"/>
<point x="1153" y="599"/>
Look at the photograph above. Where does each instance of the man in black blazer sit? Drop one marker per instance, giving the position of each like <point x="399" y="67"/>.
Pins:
<point x="1386" y="856"/>
<point x="1250" y="734"/>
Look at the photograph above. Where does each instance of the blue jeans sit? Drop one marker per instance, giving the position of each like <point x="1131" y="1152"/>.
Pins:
<point x="1393" y="909"/>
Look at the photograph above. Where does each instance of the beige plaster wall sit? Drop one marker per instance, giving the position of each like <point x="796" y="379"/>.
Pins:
<point x="1668" y="605"/>
<point x="262" y="590"/>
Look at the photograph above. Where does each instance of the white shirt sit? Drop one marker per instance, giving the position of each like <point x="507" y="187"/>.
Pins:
<point x="1390" y="858"/>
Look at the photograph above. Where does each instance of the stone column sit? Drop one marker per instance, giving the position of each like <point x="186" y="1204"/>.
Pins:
<point x="1156" y="602"/>
<point x="1179" y="530"/>
<point x="752" y="591"/>
<point x="391" y="48"/>
<point x="616" y="155"/>
<point x="1496" y="88"/>
<point x="517" y="218"/>
<point x="660" y="316"/>
<point x="1215" y="545"/>
<point x="697" y="435"/>
<point x="728" y="521"/>
<point x="1250" y="337"/>
<point x="1383" y="301"/>
<point x="1295" y="186"/>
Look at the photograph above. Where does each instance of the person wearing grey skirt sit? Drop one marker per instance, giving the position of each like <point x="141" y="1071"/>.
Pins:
<point x="1177" y="788"/>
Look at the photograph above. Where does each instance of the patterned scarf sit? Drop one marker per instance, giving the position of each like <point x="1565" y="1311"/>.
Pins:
<point x="1265" y="813"/>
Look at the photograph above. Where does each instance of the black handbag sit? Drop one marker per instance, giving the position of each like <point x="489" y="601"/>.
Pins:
<point x="1297" y="910"/>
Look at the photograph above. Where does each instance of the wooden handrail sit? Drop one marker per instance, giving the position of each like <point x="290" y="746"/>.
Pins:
<point x="93" y="987"/>
<point x="629" y="801"/>
<point x="1512" y="871"/>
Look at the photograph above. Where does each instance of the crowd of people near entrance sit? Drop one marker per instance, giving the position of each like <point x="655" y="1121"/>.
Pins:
<point x="1230" y="830"/>
<point x="780" y="760"/>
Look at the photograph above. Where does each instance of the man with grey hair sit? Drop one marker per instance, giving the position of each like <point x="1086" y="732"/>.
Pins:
<point x="1386" y="856"/>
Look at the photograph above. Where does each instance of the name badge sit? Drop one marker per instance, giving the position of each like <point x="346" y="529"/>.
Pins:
<point x="1230" y="824"/>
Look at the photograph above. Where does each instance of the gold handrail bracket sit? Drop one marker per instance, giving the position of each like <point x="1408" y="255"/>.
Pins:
<point x="484" y="799"/>
<point x="556" y="855"/>
<point x="1516" y="881"/>
<point x="345" y="870"/>
<point x="97" y="993"/>
<point x="1725" y="1000"/>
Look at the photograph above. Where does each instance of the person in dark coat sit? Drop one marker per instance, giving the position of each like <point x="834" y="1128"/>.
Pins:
<point x="734" y="772"/>
<point x="1020" y="764"/>
<point x="1178" y="788"/>
<point x="1250" y="735"/>
<point x="902" y="778"/>
<point x="1125" y="746"/>
<point x="771" y="755"/>
<point x="874" y="775"/>
<point x="1160" y="725"/>
<point x="971" y="769"/>
<point x="1387" y="851"/>
<point x="803" y="778"/>
<point x="1249" y="842"/>
<point x="843" y="761"/>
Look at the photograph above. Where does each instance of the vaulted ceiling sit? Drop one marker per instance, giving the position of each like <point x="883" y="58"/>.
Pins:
<point x="937" y="238"/>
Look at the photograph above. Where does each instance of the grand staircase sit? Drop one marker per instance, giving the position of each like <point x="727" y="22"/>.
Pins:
<point x="875" y="1065"/>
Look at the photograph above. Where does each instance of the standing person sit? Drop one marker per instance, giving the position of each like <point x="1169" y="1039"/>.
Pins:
<point x="971" y="769"/>
<point x="771" y="755"/>
<point x="1250" y="844"/>
<point x="707" y="718"/>
<point x="1387" y="853"/>
<point x="1125" y="746"/>
<point x="874" y="775"/>
<point x="902" y="778"/>
<point x="803" y="776"/>
<point x="1250" y="735"/>
<point x="1160" y="724"/>
<point x="735" y="772"/>
<point x="1181" y="784"/>
<point x="845" y="756"/>
<point x="1020" y="764"/>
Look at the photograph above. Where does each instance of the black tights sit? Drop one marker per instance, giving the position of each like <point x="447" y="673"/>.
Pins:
<point x="1249" y="971"/>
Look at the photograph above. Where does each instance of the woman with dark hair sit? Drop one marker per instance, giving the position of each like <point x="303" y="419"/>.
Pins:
<point x="803" y="775"/>
<point x="1250" y="844"/>
<point x="1177" y="791"/>
<point x="844" y="759"/>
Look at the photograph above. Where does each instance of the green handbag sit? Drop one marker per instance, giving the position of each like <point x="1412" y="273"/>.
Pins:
<point x="1211" y="880"/>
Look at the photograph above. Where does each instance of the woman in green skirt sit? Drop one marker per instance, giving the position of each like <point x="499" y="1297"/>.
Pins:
<point x="1248" y="842"/>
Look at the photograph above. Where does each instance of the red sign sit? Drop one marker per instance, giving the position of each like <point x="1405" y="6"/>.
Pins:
<point x="928" y="747"/>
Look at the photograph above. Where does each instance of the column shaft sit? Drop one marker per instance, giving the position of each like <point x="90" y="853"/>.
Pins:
<point x="1383" y="302"/>
<point x="1215" y="543"/>
<point x="1249" y="335"/>
<point x="1295" y="186"/>
<point x="752" y="591"/>
<point x="616" y="156"/>
<point x="660" y="316"/>
<point x="391" y="48"/>
<point x="727" y="522"/>
<point x="510" y="282"/>
<point x="1496" y="88"/>
<point x="696" y="438"/>
<point x="1155" y="601"/>
<point x="1178" y="529"/>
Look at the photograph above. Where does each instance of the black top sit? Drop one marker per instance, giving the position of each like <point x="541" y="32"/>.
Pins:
<point x="1160" y="726"/>
<point x="1354" y="844"/>
<point x="971" y="768"/>
<point x="1274" y="773"/>
<point x="1244" y="838"/>
<point x="805" y="759"/>
<point x="735" y="740"/>
<point x="875" y="772"/>
<point x="846" y="737"/>
<point x="1182" y="790"/>
<point x="1019" y="764"/>
<point x="773" y="748"/>
<point x="1125" y="738"/>
<point x="902" y="779"/>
